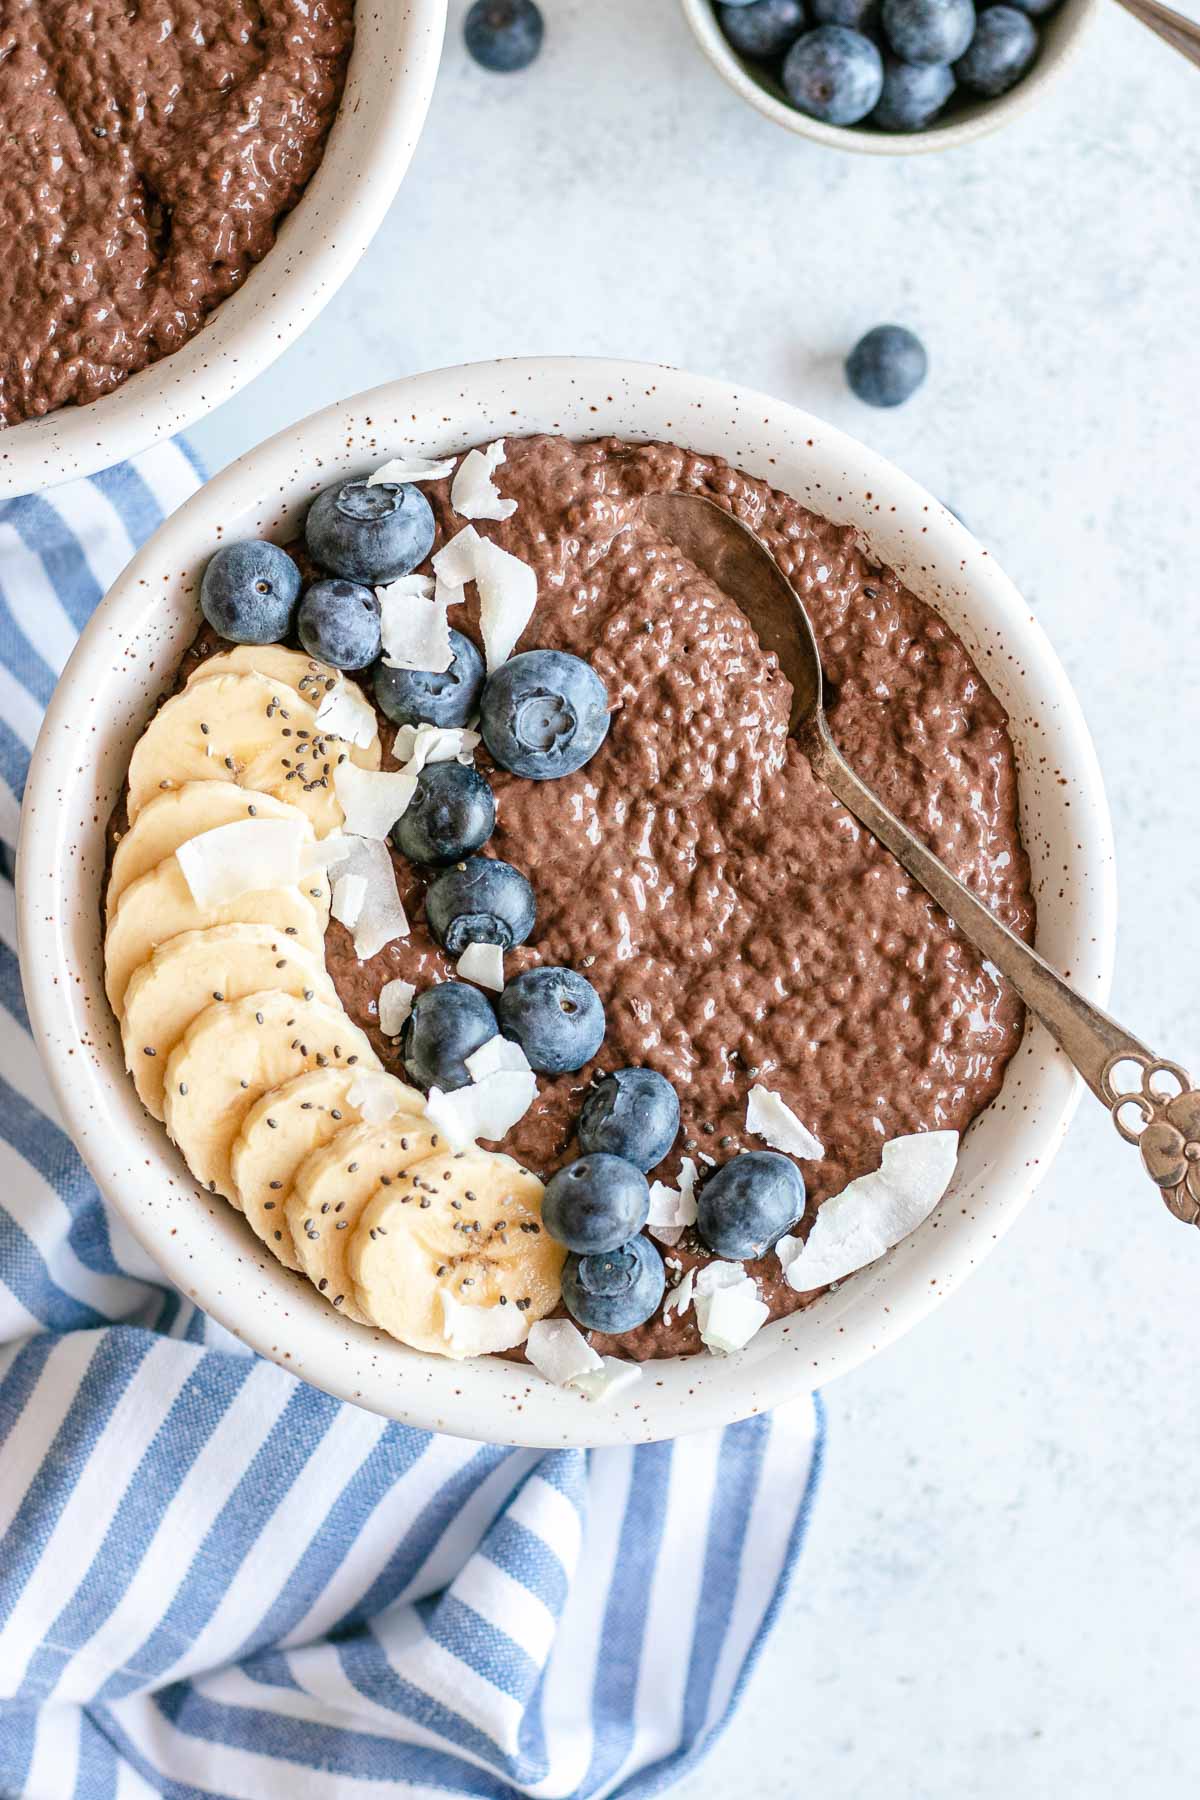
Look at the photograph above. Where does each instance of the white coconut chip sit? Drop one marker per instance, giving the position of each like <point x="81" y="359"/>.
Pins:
<point x="375" y="1096"/>
<point x="480" y="1330"/>
<point x="728" y="1309"/>
<point x="395" y="1004"/>
<point x="239" y="858"/>
<point x="474" y="494"/>
<point x="416" y="746"/>
<point x="874" y="1212"/>
<point x="380" y="917"/>
<point x="485" y="1109"/>
<point x="507" y="597"/>
<point x="455" y="563"/>
<point x="345" y="713"/>
<point x="496" y="1056"/>
<point x="372" y="799"/>
<point x="403" y="469"/>
<point x="680" y="1296"/>
<point x="349" y="892"/>
<point x="612" y="1378"/>
<point x="484" y="965"/>
<point x="414" y="629"/>
<point x="560" y="1352"/>
<point x="318" y="858"/>
<point x="770" y="1118"/>
<point x="672" y="1210"/>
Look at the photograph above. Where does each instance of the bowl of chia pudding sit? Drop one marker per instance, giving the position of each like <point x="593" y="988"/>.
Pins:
<point x="183" y="194"/>
<point x="458" y="979"/>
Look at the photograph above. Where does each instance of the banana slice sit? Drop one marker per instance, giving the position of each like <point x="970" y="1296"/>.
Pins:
<point x="171" y="818"/>
<point x="304" y="673"/>
<point x="190" y="972"/>
<point x="235" y="1051"/>
<point x="159" y="906"/>
<point x="334" y="1184"/>
<point x="285" y="1127"/>
<point x="455" y="1260"/>
<point x="245" y="729"/>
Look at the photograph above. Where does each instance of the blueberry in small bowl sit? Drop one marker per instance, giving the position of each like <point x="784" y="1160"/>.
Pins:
<point x="249" y="591"/>
<point x="451" y="815"/>
<point x="555" y="1015"/>
<point x="595" y="1203"/>
<point x="446" y="1025"/>
<point x="834" y="74"/>
<point x="615" y="1290"/>
<point x="1004" y="45"/>
<point x="448" y="697"/>
<point x="633" y="1113"/>
<point x="340" y="622"/>
<point x="480" y="901"/>
<point x="764" y="28"/>
<point x="543" y="714"/>
<point x="369" y="531"/>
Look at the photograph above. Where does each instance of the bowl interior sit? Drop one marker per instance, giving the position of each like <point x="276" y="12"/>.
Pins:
<point x="389" y="84"/>
<point x="1060" y="35"/>
<point x="126" y="658"/>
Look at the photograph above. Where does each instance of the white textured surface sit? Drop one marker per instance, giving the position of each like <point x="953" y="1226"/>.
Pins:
<point x="1001" y="1586"/>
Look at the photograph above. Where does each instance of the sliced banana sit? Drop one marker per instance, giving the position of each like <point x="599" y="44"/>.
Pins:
<point x="173" y="817"/>
<point x="311" y="679"/>
<point x="235" y="1051"/>
<point x="159" y="906"/>
<point x="334" y="1184"/>
<point x="245" y="729"/>
<point x="455" y="1260"/>
<point x="285" y="1127"/>
<point x="190" y="972"/>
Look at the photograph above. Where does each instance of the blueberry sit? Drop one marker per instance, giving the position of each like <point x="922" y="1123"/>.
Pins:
<point x="543" y="714"/>
<point x="616" y="1290"/>
<point x="416" y="696"/>
<point x="447" y="1023"/>
<point x="338" y="621"/>
<point x="632" y="1113"/>
<point x="595" y="1204"/>
<point x="928" y="31"/>
<point x="833" y="74"/>
<point x="249" y="590"/>
<point x="504" y="35"/>
<point x="369" y="533"/>
<point x="764" y="29"/>
<point x="913" y="94"/>
<point x="749" y="1203"/>
<point x="1037" y="9"/>
<point x="856" y="15"/>
<point x="1004" y="45"/>
<point x="451" y="814"/>
<point x="887" y="366"/>
<point x="480" y="901"/>
<point x="556" y="1017"/>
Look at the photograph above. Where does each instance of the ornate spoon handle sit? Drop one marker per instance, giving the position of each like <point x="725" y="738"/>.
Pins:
<point x="1166" y="1126"/>
<point x="1182" y="34"/>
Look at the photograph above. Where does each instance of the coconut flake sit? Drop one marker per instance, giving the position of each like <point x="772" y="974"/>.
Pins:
<point x="372" y="799"/>
<point x="680" y="1296"/>
<point x="484" y="965"/>
<point x="480" y="1330"/>
<point x="612" y="1378"/>
<point x="507" y="597"/>
<point x="380" y="917"/>
<point x="728" y="1309"/>
<point x="242" y="857"/>
<point x="403" y="469"/>
<point x="672" y="1210"/>
<point x="496" y="1055"/>
<point x="560" y="1352"/>
<point x="395" y="1004"/>
<point x="874" y="1212"/>
<point x="414" y="630"/>
<point x="375" y="1096"/>
<point x="770" y="1118"/>
<point x="474" y="494"/>
<point x="345" y="713"/>
<point x="416" y="746"/>
<point x="485" y="1109"/>
<point x="349" y="892"/>
<point x="455" y="563"/>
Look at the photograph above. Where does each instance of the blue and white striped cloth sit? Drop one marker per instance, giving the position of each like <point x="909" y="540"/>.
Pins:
<point x="215" y="1580"/>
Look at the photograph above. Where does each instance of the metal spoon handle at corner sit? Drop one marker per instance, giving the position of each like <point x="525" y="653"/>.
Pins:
<point x="1182" y="34"/>
<point x="1166" y="1125"/>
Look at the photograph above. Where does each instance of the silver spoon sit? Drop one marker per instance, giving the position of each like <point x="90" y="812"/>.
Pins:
<point x="1166" y="1126"/>
<point x="1182" y="34"/>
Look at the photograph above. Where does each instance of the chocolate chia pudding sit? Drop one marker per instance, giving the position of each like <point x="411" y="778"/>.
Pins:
<point x="149" y="154"/>
<point x="737" y="923"/>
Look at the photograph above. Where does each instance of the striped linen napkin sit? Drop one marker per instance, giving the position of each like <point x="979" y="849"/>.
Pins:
<point x="215" y="1580"/>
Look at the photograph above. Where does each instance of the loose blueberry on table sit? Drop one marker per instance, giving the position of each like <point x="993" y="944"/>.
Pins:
<point x="504" y="35"/>
<point x="887" y="366"/>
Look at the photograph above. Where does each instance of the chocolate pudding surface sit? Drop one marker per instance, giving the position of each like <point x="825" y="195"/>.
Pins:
<point x="149" y="154"/>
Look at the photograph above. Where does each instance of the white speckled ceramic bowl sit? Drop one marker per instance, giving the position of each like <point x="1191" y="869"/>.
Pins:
<point x="127" y="656"/>
<point x="389" y="85"/>
<point x="1060" y="34"/>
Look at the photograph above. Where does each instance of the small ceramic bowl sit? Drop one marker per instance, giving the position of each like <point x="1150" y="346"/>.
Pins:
<point x="962" y="124"/>
<point x="389" y="85"/>
<point x="126" y="658"/>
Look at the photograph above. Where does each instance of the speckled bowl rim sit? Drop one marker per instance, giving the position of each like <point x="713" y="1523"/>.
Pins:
<point x="1062" y="35"/>
<point x="389" y="85"/>
<point x="128" y="653"/>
